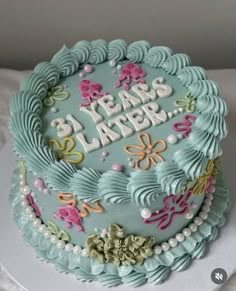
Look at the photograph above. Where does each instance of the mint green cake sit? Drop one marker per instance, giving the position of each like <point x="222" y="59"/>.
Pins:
<point x="118" y="177"/>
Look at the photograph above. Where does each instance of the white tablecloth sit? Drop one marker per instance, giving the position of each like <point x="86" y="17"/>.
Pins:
<point x="21" y="265"/>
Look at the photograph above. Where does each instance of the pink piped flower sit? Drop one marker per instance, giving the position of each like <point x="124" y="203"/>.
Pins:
<point x="174" y="206"/>
<point x="90" y="91"/>
<point x="128" y="74"/>
<point x="70" y="214"/>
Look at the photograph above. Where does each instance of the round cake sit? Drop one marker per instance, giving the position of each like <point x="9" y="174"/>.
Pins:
<point x="118" y="177"/>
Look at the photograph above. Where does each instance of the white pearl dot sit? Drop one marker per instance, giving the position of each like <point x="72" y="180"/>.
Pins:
<point x="203" y="215"/>
<point x="131" y="164"/>
<point x="37" y="222"/>
<point x="193" y="227"/>
<point x="22" y="183"/>
<point x="210" y="196"/>
<point x="29" y="209"/>
<point x="186" y="232"/>
<point x="180" y="136"/>
<point x="24" y="203"/>
<point x="112" y="63"/>
<point x="21" y="176"/>
<point x="42" y="228"/>
<point x="181" y="109"/>
<point x="54" y="109"/>
<point x="172" y="242"/>
<point x="26" y="190"/>
<point x="146" y="213"/>
<point x="165" y="246"/>
<point x="32" y="216"/>
<point x="47" y="234"/>
<point x="205" y="208"/>
<point x="197" y="220"/>
<point x="207" y="202"/>
<point x="172" y="139"/>
<point x="84" y="253"/>
<point x="119" y="67"/>
<point x="214" y="181"/>
<point x="179" y="237"/>
<point x="77" y="250"/>
<point x="60" y="244"/>
<point x="23" y="197"/>
<point x="170" y="114"/>
<point x="189" y="215"/>
<point x="175" y="111"/>
<point x="82" y="74"/>
<point x="213" y="189"/>
<point x="157" y="250"/>
<point x="69" y="247"/>
<point x="54" y="239"/>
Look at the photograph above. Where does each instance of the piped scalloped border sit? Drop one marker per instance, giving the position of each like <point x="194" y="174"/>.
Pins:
<point x="187" y="163"/>
<point x="155" y="270"/>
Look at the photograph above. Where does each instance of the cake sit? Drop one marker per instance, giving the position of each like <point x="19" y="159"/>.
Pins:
<point x="118" y="178"/>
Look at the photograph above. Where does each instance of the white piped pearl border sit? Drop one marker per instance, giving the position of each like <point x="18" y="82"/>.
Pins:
<point x="42" y="228"/>
<point x="192" y="227"/>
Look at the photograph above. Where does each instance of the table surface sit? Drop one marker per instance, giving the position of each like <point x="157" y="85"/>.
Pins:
<point x="21" y="262"/>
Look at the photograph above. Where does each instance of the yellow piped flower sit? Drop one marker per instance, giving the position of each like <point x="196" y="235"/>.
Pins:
<point x="148" y="153"/>
<point x="202" y="182"/>
<point x="188" y="104"/>
<point x="64" y="150"/>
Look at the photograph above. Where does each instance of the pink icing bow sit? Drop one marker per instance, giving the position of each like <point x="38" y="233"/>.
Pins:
<point x="173" y="206"/>
<point x="130" y="72"/>
<point x="90" y="91"/>
<point x="185" y="125"/>
<point x="70" y="214"/>
<point x="32" y="203"/>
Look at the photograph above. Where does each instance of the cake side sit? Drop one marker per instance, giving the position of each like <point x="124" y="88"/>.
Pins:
<point x="72" y="259"/>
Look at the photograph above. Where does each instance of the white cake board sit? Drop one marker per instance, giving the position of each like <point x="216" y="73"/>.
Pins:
<point x="21" y="263"/>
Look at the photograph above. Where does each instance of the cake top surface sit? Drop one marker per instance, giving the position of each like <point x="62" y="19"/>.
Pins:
<point x="105" y="112"/>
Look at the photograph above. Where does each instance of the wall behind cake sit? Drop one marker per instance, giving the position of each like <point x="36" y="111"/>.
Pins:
<point x="32" y="31"/>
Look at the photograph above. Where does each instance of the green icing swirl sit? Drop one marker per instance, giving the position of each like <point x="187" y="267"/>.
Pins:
<point x="213" y="123"/>
<point x="25" y="101"/>
<point x="205" y="142"/>
<point x="117" y="249"/>
<point x="117" y="49"/>
<point x="39" y="159"/>
<point x="189" y="75"/>
<point x="82" y="50"/>
<point x="35" y="84"/>
<point x="199" y="250"/>
<point x="158" y="275"/>
<point x="112" y="187"/>
<point x="191" y="161"/>
<point x="98" y="52"/>
<point x="58" y="175"/>
<point x="24" y="121"/>
<point x="84" y="184"/>
<point x="203" y="87"/>
<point x="137" y="51"/>
<point x="25" y="142"/>
<point x="175" y="63"/>
<point x="171" y="178"/>
<point x="181" y="263"/>
<point x="212" y="103"/>
<point x="50" y="72"/>
<point x="157" y="55"/>
<point x="144" y="188"/>
<point x="66" y="61"/>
